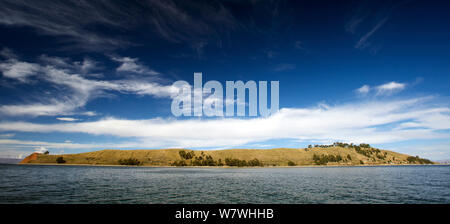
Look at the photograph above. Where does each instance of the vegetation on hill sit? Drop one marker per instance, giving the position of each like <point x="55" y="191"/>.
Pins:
<point x="189" y="159"/>
<point x="325" y="159"/>
<point x="240" y="163"/>
<point x="417" y="159"/>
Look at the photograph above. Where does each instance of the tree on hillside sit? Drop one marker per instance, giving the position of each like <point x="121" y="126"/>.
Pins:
<point x="182" y="154"/>
<point x="186" y="155"/>
<point x="363" y="145"/>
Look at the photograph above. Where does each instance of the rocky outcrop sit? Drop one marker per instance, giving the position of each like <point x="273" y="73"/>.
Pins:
<point x="30" y="158"/>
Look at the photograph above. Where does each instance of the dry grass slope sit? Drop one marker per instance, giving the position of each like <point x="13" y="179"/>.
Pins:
<point x="269" y="157"/>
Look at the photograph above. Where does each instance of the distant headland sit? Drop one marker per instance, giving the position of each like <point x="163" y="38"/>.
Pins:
<point x="337" y="154"/>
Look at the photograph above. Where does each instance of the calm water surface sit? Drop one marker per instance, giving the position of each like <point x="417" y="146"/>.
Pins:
<point x="85" y="184"/>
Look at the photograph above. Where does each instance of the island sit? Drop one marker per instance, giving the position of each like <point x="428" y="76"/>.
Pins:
<point x="337" y="154"/>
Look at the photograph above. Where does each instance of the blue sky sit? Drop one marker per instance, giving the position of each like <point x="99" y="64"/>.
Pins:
<point x="78" y="76"/>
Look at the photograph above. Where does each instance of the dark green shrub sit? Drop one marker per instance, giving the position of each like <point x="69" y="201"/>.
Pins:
<point x="129" y="162"/>
<point x="60" y="160"/>
<point x="290" y="163"/>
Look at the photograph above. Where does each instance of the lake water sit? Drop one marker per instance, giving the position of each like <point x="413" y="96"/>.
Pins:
<point x="86" y="184"/>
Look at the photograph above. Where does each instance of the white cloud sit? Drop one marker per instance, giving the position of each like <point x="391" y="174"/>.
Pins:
<point x="83" y="67"/>
<point x="430" y="150"/>
<point x="389" y="88"/>
<point x="371" y="122"/>
<point x="87" y="65"/>
<point x="89" y="113"/>
<point x="18" y="70"/>
<point x="14" y="148"/>
<point x="38" y="109"/>
<point x="66" y="119"/>
<point x="384" y="89"/>
<point x="42" y="145"/>
<point x="132" y="65"/>
<point x="7" y="53"/>
<point x="7" y="135"/>
<point x="40" y="149"/>
<point x="363" y="90"/>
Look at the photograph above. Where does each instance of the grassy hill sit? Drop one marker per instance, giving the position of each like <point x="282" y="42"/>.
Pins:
<point x="336" y="154"/>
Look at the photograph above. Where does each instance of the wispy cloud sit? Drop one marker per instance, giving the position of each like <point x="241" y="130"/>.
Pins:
<point x="40" y="109"/>
<point x="363" y="41"/>
<point x="40" y="149"/>
<point x="79" y="88"/>
<point x="192" y="23"/>
<point x="270" y="53"/>
<point x="67" y="18"/>
<point x="284" y="67"/>
<point x="299" y="45"/>
<point x="85" y="67"/>
<point x="18" y="70"/>
<point x="14" y="148"/>
<point x="7" y="53"/>
<point x="389" y="88"/>
<point x="363" y="90"/>
<point x="384" y="89"/>
<point x="7" y="135"/>
<point x="132" y="65"/>
<point x="67" y="119"/>
<point x="368" y="19"/>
